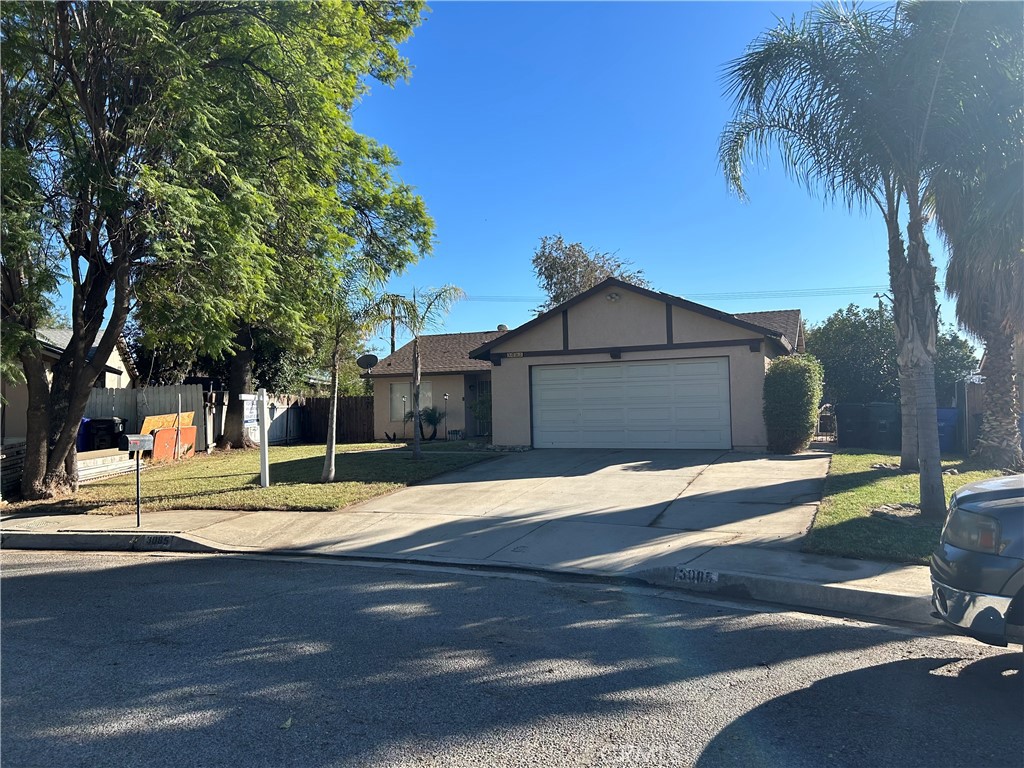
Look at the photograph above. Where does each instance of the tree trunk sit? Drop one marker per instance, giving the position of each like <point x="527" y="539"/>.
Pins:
<point x="56" y="407"/>
<point x="37" y="430"/>
<point x="908" y="429"/>
<point x="327" y="476"/>
<point x="902" y="301"/>
<point x="920" y="357"/>
<point x="239" y="383"/>
<point x="416" y="436"/>
<point x="999" y="442"/>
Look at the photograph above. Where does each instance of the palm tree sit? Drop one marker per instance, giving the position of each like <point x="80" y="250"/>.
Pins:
<point x="852" y="100"/>
<point x="416" y="315"/>
<point x="977" y="190"/>
<point x="986" y="277"/>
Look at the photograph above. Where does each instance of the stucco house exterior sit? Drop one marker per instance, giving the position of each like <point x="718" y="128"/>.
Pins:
<point x="118" y="373"/>
<point x="623" y="366"/>
<point x="445" y="368"/>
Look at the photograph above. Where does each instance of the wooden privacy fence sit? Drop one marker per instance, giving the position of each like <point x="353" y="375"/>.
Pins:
<point x="134" y="405"/>
<point x="293" y="419"/>
<point x="355" y="419"/>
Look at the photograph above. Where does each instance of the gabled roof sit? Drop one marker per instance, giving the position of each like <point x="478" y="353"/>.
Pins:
<point x="483" y="352"/>
<point x="56" y="340"/>
<point x="440" y="353"/>
<point x="785" y="321"/>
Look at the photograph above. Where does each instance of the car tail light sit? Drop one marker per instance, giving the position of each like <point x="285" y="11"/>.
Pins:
<point x="969" y="530"/>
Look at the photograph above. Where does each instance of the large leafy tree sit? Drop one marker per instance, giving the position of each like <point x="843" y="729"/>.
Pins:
<point x="851" y="98"/>
<point x="195" y="157"/>
<point x="857" y="350"/>
<point x="567" y="269"/>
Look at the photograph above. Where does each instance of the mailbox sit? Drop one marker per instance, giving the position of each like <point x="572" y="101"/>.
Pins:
<point x="135" y="443"/>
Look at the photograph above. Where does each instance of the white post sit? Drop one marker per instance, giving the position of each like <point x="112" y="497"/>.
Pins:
<point x="177" y="432"/>
<point x="264" y="420"/>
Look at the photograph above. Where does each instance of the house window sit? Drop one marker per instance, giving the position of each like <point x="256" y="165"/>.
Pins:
<point x="398" y="408"/>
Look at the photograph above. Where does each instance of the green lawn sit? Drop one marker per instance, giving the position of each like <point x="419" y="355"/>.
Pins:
<point x="229" y="479"/>
<point x="844" y="525"/>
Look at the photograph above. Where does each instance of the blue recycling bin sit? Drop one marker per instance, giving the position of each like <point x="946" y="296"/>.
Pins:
<point x="949" y="419"/>
<point x="84" y="440"/>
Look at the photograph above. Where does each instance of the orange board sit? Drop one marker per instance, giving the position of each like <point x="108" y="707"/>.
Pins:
<point x="163" y="444"/>
<point x="166" y="420"/>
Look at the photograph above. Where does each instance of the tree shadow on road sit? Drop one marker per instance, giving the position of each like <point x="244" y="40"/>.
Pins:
<point x="243" y="662"/>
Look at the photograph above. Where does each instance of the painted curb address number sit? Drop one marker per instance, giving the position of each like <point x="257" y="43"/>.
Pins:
<point x="696" y="576"/>
<point x="157" y="541"/>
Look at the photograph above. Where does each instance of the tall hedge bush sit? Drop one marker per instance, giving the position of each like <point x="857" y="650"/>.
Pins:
<point x="792" y="392"/>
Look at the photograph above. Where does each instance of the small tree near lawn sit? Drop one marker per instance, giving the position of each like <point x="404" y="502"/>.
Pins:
<point x="792" y="391"/>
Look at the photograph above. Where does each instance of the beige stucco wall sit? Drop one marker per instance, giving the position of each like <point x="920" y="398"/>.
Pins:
<point x="453" y="385"/>
<point x="15" y="415"/>
<point x="689" y="326"/>
<point x="633" y="320"/>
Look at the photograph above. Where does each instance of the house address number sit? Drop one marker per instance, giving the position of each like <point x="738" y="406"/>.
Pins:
<point x="513" y="354"/>
<point x="696" y="576"/>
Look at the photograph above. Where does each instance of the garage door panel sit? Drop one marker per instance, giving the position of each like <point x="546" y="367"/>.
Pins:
<point x="601" y="393"/>
<point x="601" y="372"/>
<point x="702" y="367"/>
<point x="602" y="416"/>
<point x="567" y="374"/>
<point x="651" y="391"/>
<point x="645" y="372"/>
<point x="657" y="404"/>
<point x="704" y="414"/>
<point x="660" y="414"/>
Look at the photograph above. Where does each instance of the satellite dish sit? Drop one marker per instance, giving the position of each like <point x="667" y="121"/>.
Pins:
<point x="366" y="362"/>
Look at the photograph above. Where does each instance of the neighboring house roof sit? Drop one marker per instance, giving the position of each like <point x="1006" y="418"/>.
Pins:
<point x="785" y="321"/>
<point x="440" y="353"/>
<point x="787" y="342"/>
<point x="56" y="340"/>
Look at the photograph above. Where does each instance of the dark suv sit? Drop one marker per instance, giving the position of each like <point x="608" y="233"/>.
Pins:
<point x="978" y="569"/>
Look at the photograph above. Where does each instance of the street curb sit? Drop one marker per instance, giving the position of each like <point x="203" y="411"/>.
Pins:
<point x="832" y="598"/>
<point x="779" y="591"/>
<point x="105" y="542"/>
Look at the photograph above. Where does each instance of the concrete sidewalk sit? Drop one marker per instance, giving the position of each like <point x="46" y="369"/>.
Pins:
<point x="716" y="561"/>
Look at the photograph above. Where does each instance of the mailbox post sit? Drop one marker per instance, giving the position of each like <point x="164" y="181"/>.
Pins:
<point x="136" y="444"/>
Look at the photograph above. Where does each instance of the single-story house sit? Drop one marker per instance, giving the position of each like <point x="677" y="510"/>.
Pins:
<point x="616" y="366"/>
<point x="621" y="366"/>
<point x="118" y="373"/>
<point x="445" y="369"/>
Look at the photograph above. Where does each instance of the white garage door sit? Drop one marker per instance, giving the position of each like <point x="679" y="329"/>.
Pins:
<point x="650" y="404"/>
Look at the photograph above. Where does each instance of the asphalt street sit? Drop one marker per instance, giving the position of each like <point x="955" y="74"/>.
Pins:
<point x="141" y="660"/>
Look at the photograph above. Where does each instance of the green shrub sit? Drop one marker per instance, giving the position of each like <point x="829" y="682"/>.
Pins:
<point x="792" y="392"/>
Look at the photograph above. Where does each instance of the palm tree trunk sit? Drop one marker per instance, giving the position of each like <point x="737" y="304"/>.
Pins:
<point x="908" y="413"/>
<point x="899" y="284"/>
<point x="920" y="356"/>
<point x="327" y="476"/>
<point x="416" y="448"/>
<point x="999" y="443"/>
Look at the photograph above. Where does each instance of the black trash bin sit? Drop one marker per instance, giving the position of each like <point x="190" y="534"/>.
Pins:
<point x="104" y="433"/>
<point x="850" y="425"/>
<point x="883" y="426"/>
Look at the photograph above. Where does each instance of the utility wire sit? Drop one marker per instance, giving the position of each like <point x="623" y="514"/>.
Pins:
<point x="795" y="293"/>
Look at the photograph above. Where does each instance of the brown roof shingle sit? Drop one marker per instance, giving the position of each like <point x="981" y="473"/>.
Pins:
<point x="784" y="321"/>
<point x="439" y="353"/>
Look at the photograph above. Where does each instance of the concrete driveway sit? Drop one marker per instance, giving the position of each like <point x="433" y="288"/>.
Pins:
<point x="752" y="499"/>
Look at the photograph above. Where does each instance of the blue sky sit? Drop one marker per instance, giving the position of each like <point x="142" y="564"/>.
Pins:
<point x="600" y="121"/>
